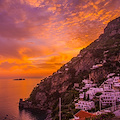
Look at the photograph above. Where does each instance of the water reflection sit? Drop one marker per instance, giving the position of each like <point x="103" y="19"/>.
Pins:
<point x="10" y="93"/>
<point x="32" y="114"/>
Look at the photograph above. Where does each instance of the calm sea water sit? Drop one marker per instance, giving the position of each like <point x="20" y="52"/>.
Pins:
<point x="10" y="93"/>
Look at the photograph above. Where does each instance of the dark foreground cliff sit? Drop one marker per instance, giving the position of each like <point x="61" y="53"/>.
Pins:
<point x="94" y="62"/>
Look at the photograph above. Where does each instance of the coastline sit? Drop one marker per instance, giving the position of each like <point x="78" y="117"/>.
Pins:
<point x="25" y="105"/>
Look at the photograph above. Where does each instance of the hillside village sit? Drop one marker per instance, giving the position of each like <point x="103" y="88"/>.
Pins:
<point x="99" y="99"/>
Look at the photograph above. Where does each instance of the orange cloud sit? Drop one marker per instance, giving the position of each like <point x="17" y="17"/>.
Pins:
<point x="38" y="36"/>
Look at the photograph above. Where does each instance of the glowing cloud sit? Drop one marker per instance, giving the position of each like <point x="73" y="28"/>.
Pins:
<point x="38" y="36"/>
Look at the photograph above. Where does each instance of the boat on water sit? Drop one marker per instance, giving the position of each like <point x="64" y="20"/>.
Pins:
<point x="20" y="79"/>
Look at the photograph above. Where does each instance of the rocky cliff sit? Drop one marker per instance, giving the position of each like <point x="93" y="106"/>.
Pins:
<point x="94" y="62"/>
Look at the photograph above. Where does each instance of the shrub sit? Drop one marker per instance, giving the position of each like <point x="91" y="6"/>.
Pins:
<point x="72" y="106"/>
<point x="68" y="116"/>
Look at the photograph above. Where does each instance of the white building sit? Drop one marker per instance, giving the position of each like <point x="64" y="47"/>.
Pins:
<point x="59" y="72"/>
<point x="76" y="85"/>
<point x="107" y="86"/>
<point x="116" y="79"/>
<point x="94" y="85"/>
<point x="66" y="69"/>
<point x="81" y="90"/>
<point x="111" y="83"/>
<point x="110" y="80"/>
<point x="109" y="98"/>
<point x="87" y="81"/>
<point x="106" y="51"/>
<point x="110" y="75"/>
<point x="81" y="95"/>
<point x="116" y="85"/>
<point x="84" y="105"/>
<point x="66" y="65"/>
<point x="96" y="66"/>
<point x="93" y="91"/>
<point x="79" y="56"/>
<point x="117" y="94"/>
<point x="87" y="86"/>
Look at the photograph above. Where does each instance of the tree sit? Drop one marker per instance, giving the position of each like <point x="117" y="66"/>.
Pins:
<point x="84" y="96"/>
<point x="88" y="97"/>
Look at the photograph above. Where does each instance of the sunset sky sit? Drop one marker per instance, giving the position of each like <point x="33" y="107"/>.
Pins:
<point x="38" y="36"/>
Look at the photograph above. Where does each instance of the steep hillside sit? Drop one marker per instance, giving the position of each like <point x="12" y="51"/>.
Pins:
<point x="94" y="62"/>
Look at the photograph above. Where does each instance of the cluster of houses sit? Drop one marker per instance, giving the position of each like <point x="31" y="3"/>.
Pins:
<point x="108" y="93"/>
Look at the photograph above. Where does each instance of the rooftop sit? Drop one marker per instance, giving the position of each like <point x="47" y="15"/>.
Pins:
<point x="83" y="114"/>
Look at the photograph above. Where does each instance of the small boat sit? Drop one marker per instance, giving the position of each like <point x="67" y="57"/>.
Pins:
<point x="20" y="79"/>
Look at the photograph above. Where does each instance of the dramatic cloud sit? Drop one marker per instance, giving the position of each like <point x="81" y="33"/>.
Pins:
<point x="38" y="36"/>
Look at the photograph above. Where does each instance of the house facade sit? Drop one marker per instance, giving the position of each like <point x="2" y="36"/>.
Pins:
<point x="84" y="105"/>
<point x="109" y="98"/>
<point x="92" y="91"/>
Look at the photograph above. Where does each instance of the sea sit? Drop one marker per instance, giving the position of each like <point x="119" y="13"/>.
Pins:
<point x="10" y="93"/>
